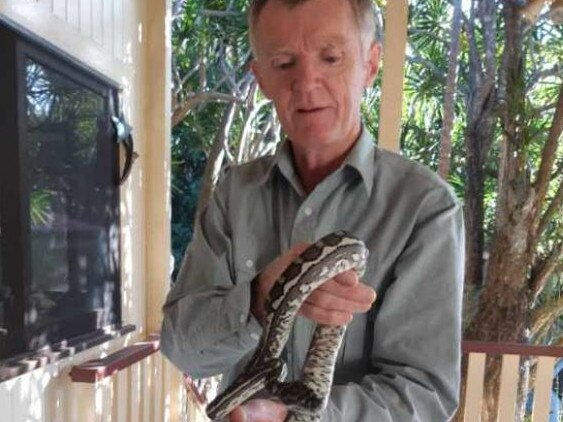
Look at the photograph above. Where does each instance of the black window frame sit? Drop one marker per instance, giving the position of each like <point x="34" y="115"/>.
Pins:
<point x="16" y="45"/>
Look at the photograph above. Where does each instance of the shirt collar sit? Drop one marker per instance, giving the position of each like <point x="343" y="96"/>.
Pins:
<point x="281" y="159"/>
<point x="360" y="159"/>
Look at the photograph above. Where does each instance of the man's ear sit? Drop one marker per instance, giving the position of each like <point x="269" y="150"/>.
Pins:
<point x="372" y="63"/>
<point x="255" y="67"/>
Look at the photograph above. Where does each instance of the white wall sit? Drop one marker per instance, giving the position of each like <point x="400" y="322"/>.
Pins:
<point x="118" y="38"/>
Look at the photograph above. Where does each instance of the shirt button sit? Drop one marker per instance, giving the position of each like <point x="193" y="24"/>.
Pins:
<point x="255" y="336"/>
<point x="308" y="211"/>
<point x="249" y="263"/>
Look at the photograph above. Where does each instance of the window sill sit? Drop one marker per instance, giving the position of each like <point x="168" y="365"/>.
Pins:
<point x="27" y="362"/>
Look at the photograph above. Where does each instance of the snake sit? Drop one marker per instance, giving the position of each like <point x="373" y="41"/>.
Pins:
<point x="307" y="397"/>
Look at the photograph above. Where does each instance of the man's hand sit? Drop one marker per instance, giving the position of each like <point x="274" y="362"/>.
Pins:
<point x="259" y="410"/>
<point x="333" y="303"/>
<point x="261" y="286"/>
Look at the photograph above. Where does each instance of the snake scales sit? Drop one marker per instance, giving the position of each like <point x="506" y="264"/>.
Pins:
<point x="307" y="397"/>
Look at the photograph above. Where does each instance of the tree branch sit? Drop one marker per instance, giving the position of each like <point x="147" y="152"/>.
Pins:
<point x="487" y="12"/>
<point x="257" y="141"/>
<point x="227" y="71"/>
<point x="188" y="75"/>
<point x="235" y="70"/>
<point x="552" y="208"/>
<point x="251" y="109"/>
<point x="415" y="31"/>
<point x="194" y="100"/>
<point x="548" y="156"/>
<point x="449" y="95"/>
<point x="542" y="74"/>
<point x="473" y="51"/>
<point x="220" y="13"/>
<point x="544" y="269"/>
<point x="543" y="317"/>
<point x="429" y="64"/>
<point x="543" y="109"/>
<point x="215" y="158"/>
<point x="557" y="342"/>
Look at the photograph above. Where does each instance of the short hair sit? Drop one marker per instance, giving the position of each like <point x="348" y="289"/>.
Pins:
<point x="366" y="15"/>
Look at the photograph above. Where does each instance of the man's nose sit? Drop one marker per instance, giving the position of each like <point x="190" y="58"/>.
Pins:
<point x="306" y="76"/>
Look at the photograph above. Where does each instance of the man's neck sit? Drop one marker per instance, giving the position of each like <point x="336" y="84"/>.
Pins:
<point x="313" y="166"/>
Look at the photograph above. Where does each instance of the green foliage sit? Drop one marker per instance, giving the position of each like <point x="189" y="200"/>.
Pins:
<point x="210" y="53"/>
<point x="425" y="75"/>
<point x="40" y="207"/>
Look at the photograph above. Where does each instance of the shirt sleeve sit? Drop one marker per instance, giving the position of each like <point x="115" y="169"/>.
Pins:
<point x="207" y="325"/>
<point x="415" y="358"/>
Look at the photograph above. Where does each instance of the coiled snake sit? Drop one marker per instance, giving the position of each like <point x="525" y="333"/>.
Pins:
<point x="305" y="398"/>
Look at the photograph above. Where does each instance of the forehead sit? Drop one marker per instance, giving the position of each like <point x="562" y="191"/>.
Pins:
<point x="315" y="23"/>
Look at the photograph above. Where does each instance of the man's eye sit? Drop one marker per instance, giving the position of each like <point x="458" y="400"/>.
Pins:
<point x="331" y="59"/>
<point x="286" y="64"/>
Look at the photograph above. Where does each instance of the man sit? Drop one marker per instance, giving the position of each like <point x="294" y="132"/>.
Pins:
<point x="400" y="360"/>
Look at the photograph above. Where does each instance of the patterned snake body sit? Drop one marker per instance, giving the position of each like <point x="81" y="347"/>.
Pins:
<point x="305" y="398"/>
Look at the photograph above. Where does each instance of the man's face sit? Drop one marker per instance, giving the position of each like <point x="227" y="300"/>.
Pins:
<point x="311" y="62"/>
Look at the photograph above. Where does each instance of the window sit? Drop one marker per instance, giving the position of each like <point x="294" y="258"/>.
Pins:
<point x="59" y="198"/>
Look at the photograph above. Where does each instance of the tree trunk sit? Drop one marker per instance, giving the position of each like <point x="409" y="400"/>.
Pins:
<point x="505" y="299"/>
<point x="215" y="159"/>
<point x="481" y="121"/>
<point x="449" y="95"/>
<point x="474" y="211"/>
<point x="459" y="416"/>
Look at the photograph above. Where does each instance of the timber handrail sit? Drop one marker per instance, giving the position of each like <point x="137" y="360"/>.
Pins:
<point x="512" y="353"/>
<point x="95" y="370"/>
<point x="492" y="348"/>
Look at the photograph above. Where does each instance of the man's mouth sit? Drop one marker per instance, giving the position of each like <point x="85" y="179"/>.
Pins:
<point x="310" y="110"/>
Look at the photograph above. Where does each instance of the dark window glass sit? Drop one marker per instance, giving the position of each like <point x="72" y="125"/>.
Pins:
<point x="4" y="295"/>
<point x="74" y="231"/>
<point x="59" y="201"/>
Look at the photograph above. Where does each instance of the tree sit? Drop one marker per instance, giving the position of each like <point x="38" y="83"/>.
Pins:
<point x="504" y="134"/>
<point x="507" y="161"/>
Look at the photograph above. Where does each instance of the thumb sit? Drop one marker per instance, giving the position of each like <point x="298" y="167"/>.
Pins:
<point x="260" y="410"/>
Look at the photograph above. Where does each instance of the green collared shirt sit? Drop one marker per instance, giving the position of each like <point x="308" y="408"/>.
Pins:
<point x="398" y="362"/>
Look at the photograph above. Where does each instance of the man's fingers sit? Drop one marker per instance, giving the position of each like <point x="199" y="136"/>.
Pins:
<point x="330" y="301"/>
<point x="325" y="316"/>
<point x="361" y="293"/>
<point x="334" y="303"/>
<point x="259" y="410"/>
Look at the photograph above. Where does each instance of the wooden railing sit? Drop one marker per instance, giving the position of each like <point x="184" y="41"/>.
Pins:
<point x="134" y="384"/>
<point x="510" y="377"/>
<point x="138" y="384"/>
